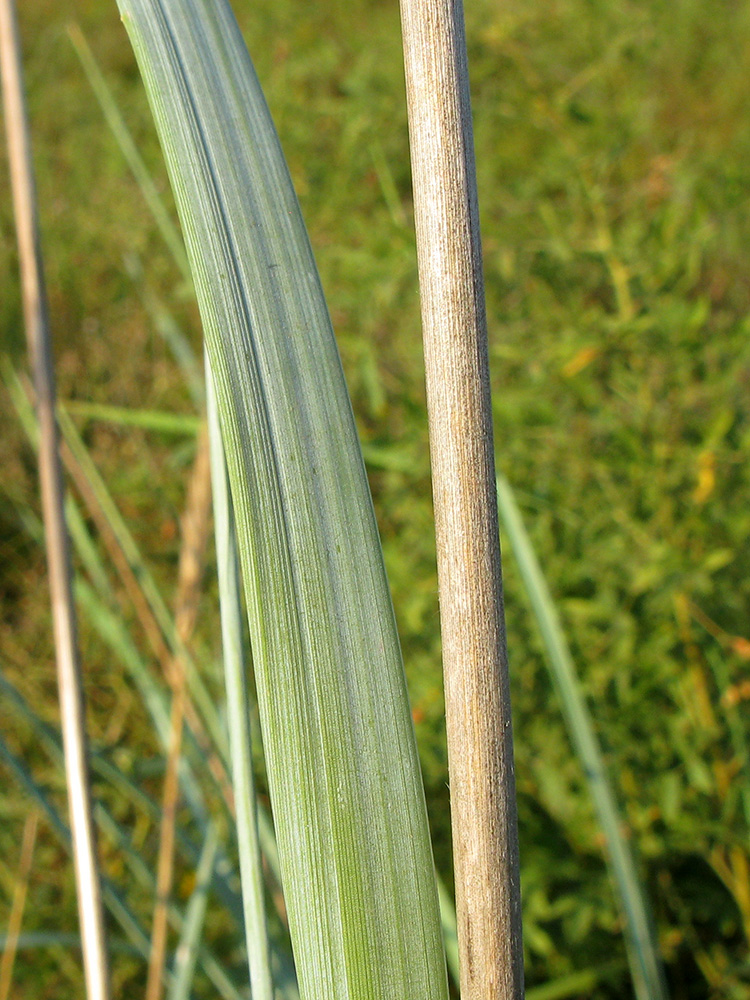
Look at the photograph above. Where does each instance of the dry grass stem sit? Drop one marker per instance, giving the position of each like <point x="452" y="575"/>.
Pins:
<point x="144" y="613"/>
<point x="477" y="698"/>
<point x="15" y="920"/>
<point x="36" y="322"/>
<point x="195" y="527"/>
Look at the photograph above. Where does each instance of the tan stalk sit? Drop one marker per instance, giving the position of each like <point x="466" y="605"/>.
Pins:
<point x="195" y="533"/>
<point x="36" y="322"/>
<point x="15" y="920"/>
<point x="478" y="719"/>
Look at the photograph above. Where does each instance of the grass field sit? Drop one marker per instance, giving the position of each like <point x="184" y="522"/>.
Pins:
<point x="613" y="152"/>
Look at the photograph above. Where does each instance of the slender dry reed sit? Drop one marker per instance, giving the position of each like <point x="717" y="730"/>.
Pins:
<point x="480" y="746"/>
<point x="58" y="557"/>
<point x="83" y="477"/>
<point x="15" y="920"/>
<point x="195" y="528"/>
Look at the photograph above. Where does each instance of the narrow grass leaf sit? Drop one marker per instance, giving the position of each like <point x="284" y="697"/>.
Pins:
<point x="138" y="869"/>
<point x="643" y="953"/>
<point x="195" y="915"/>
<point x="342" y="764"/>
<point x="50" y="740"/>
<point x="109" y="625"/>
<point x="84" y="544"/>
<point x="170" y="331"/>
<point x="112" y="899"/>
<point x="113" y="632"/>
<point x="198" y="691"/>
<point x="450" y="930"/>
<point x="35" y="940"/>
<point x="575" y="984"/>
<point x="238" y="710"/>
<point x="119" y="129"/>
<point x="124" y="416"/>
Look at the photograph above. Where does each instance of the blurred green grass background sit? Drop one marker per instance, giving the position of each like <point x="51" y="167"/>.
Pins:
<point x="613" y="153"/>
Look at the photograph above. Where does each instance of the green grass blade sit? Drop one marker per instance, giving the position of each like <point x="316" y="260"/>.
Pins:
<point x="195" y="914"/>
<point x="238" y="711"/>
<point x="87" y="551"/>
<point x="84" y="544"/>
<point x="129" y="149"/>
<point x="111" y="629"/>
<point x="163" y="320"/>
<point x="575" y="984"/>
<point x="104" y="821"/>
<point x="450" y="930"/>
<point x="112" y="900"/>
<point x="111" y="895"/>
<point x="50" y="740"/>
<point x="390" y="458"/>
<point x="170" y="331"/>
<point x="164" y="617"/>
<point x="643" y="952"/>
<point x="343" y="770"/>
<point x="124" y="416"/>
<point x="113" y="632"/>
<point x="33" y="940"/>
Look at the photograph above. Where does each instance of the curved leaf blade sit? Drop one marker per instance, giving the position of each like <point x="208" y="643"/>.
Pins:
<point x="640" y="938"/>
<point x="343" y="770"/>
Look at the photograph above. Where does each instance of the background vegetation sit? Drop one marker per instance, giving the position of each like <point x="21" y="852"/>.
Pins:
<point x="613" y="150"/>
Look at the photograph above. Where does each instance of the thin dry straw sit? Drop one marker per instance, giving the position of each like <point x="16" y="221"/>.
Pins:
<point x="112" y="631"/>
<point x="195" y="531"/>
<point x="15" y="920"/>
<point x="477" y="699"/>
<point x="58" y="557"/>
<point x="147" y="598"/>
<point x="117" y="907"/>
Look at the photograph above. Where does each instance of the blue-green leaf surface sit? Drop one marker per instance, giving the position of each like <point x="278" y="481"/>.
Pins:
<point x="343" y="771"/>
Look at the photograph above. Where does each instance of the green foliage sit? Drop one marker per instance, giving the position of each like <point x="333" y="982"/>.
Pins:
<point x="612" y="148"/>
